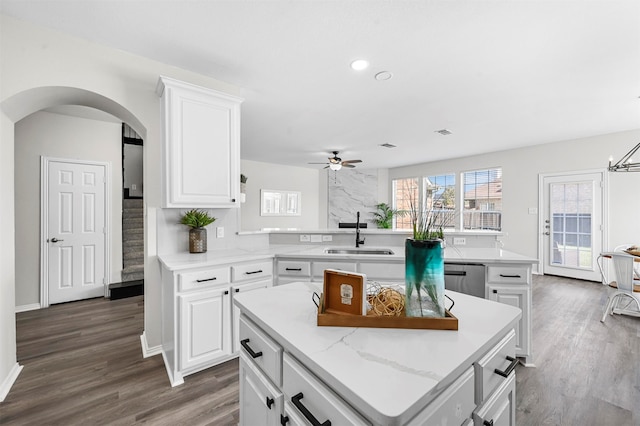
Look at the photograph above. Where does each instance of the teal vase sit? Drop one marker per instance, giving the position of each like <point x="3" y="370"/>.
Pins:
<point x="424" y="278"/>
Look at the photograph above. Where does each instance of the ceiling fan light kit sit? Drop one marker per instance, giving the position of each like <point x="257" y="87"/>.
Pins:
<point x="335" y="163"/>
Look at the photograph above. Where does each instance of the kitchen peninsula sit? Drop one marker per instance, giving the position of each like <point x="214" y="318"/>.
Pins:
<point x="200" y="323"/>
<point x="292" y="369"/>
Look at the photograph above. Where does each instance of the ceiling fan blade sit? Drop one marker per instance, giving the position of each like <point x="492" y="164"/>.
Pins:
<point x="347" y="165"/>
<point x="352" y="161"/>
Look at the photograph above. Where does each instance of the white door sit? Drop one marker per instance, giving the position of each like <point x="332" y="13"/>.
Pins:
<point x="75" y="231"/>
<point x="573" y="224"/>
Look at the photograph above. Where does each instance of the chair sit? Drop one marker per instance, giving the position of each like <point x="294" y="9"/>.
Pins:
<point x="623" y="268"/>
<point x="600" y="262"/>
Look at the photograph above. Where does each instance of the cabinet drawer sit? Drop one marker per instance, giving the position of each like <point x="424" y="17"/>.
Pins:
<point x="382" y="271"/>
<point x="260" y="402"/>
<point x="502" y="358"/>
<point x="251" y="271"/>
<point x="312" y="399"/>
<point x="317" y="269"/>
<point x="202" y="279"/>
<point x="294" y="268"/>
<point x="261" y="349"/>
<point x="500" y="408"/>
<point x="453" y="406"/>
<point x="508" y="274"/>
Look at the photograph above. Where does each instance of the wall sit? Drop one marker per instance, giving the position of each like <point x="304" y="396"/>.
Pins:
<point x="279" y="177"/>
<point x="41" y="68"/>
<point x="59" y="136"/>
<point x="520" y="171"/>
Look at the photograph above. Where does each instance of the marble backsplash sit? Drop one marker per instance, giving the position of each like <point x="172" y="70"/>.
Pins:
<point x="350" y="191"/>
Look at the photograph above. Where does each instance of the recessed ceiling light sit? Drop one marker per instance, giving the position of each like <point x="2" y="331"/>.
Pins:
<point x="359" y="64"/>
<point x="384" y="75"/>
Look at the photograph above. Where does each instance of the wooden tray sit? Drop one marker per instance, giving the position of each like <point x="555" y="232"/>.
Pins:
<point x="450" y="322"/>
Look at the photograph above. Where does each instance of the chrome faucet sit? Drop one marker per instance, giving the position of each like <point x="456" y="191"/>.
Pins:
<point x="358" y="240"/>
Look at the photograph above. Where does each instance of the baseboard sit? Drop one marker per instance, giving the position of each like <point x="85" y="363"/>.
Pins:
<point x="29" y="307"/>
<point x="146" y="350"/>
<point x="9" y="381"/>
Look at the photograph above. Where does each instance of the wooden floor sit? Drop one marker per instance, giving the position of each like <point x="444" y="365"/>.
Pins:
<point x="83" y="366"/>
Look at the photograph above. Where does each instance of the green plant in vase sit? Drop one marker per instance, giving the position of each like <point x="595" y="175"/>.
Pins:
<point x="197" y="220"/>
<point x="424" y="256"/>
<point x="383" y="217"/>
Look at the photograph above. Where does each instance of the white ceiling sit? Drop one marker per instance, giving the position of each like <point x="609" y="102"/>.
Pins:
<point x="498" y="74"/>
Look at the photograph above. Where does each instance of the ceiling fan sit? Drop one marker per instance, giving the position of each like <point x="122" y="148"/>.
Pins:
<point x="336" y="163"/>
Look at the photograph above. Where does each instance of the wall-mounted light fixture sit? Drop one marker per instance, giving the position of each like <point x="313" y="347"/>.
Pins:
<point x="626" y="163"/>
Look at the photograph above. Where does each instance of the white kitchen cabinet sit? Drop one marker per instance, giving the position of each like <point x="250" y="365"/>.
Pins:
<point x="511" y="284"/>
<point x="500" y="409"/>
<point x="205" y="327"/>
<point x="264" y="403"/>
<point x="199" y="321"/>
<point x="201" y="146"/>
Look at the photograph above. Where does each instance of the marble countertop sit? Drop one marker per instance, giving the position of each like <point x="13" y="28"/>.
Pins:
<point x="179" y="261"/>
<point x="388" y="375"/>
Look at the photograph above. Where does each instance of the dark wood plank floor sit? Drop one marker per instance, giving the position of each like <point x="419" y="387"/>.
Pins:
<point x="83" y="366"/>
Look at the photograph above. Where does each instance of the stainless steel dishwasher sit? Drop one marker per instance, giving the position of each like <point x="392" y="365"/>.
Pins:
<point x="467" y="278"/>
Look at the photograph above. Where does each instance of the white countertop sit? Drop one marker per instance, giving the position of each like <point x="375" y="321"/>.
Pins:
<point x="179" y="261"/>
<point x="388" y="375"/>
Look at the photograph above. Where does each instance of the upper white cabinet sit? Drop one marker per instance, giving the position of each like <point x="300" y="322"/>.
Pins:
<point x="201" y="146"/>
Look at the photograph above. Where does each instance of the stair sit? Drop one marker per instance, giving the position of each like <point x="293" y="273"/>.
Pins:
<point x="132" y="250"/>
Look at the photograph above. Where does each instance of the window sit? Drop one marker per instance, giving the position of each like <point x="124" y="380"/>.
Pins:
<point x="440" y="196"/>
<point x="280" y="203"/>
<point x="483" y="199"/>
<point x="405" y="192"/>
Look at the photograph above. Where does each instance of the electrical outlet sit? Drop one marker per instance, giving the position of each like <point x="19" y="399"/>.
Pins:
<point x="327" y="238"/>
<point x="220" y="232"/>
<point x="305" y="238"/>
<point x="533" y="210"/>
<point x="133" y="187"/>
<point x="316" y="238"/>
<point x="459" y="241"/>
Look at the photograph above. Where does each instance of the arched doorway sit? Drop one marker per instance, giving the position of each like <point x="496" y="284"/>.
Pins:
<point x="27" y="102"/>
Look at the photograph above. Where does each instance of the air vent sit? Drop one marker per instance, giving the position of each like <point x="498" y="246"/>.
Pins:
<point x="444" y="132"/>
<point x="387" y="145"/>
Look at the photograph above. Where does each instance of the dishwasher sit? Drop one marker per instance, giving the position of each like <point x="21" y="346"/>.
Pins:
<point x="467" y="278"/>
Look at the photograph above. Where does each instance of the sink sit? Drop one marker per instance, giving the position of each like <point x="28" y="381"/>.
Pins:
<point x="358" y="251"/>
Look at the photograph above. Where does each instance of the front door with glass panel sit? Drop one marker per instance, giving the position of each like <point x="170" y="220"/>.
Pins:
<point x="572" y="232"/>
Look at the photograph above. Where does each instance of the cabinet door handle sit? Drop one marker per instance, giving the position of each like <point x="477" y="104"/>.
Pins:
<point x="226" y="292"/>
<point x="270" y="402"/>
<point x="207" y="279"/>
<point x="237" y="290"/>
<point x="296" y="399"/>
<point x="254" y="272"/>
<point x="495" y="291"/>
<point x="284" y="420"/>
<point x="245" y="345"/>
<point x="293" y="269"/>
<point x="488" y="423"/>
<point x="509" y="369"/>
<point x="510" y="276"/>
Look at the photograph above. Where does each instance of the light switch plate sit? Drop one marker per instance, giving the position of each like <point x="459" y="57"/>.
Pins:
<point x="220" y="232"/>
<point x="327" y="238"/>
<point x="316" y="238"/>
<point x="305" y="238"/>
<point x="459" y="241"/>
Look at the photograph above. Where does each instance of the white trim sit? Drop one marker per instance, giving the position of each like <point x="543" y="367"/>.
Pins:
<point x="8" y="382"/>
<point x="29" y="307"/>
<point x="44" y="222"/>
<point x="146" y="350"/>
<point x="605" y="208"/>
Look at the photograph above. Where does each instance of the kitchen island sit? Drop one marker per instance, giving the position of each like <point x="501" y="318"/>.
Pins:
<point x="291" y="369"/>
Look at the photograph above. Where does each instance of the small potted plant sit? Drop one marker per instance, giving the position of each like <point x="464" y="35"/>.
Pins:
<point x="383" y="218"/>
<point x="197" y="220"/>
